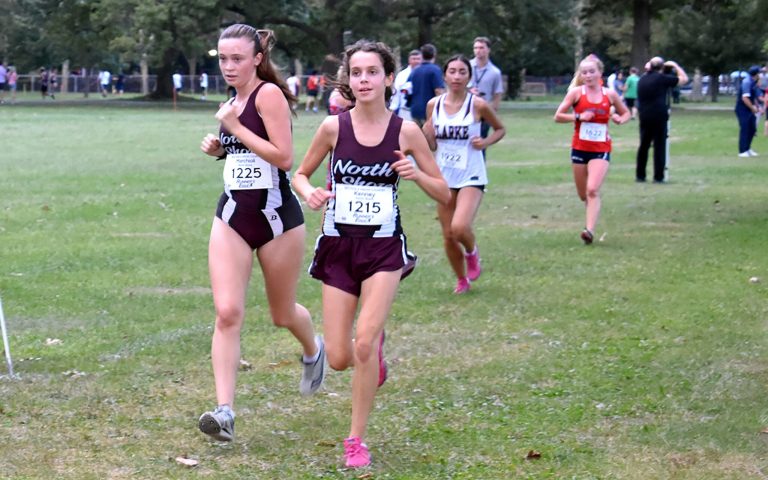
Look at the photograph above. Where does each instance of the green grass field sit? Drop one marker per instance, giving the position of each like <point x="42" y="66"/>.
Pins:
<point x="642" y="356"/>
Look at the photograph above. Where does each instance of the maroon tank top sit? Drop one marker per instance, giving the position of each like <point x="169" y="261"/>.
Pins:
<point x="355" y="164"/>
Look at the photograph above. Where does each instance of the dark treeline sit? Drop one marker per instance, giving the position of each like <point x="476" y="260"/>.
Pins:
<point x="545" y="37"/>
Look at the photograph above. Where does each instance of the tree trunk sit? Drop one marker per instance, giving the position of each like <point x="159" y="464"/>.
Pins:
<point x="714" y="87"/>
<point x="579" y="30"/>
<point x="697" y="87"/>
<point x="641" y="32"/>
<point x="144" y="74"/>
<point x="193" y="84"/>
<point x="426" y="19"/>
<point x="65" y="77"/>
<point x="164" y="84"/>
<point x="85" y="75"/>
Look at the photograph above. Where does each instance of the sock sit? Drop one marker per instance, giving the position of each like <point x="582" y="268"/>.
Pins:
<point x="314" y="357"/>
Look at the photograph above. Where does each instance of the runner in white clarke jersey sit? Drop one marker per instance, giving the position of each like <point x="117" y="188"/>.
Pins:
<point x="361" y="255"/>
<point x="453" y="130"/>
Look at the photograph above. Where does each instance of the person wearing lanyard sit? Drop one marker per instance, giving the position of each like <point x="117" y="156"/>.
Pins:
<point x="486" y="78"/>
<point x="591" y="144"/>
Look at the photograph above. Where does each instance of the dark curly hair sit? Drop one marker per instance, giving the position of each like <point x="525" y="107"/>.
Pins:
<point x="379" y="48"/>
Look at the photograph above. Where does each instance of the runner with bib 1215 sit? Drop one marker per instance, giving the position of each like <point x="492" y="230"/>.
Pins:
<point x="363" y="204"/>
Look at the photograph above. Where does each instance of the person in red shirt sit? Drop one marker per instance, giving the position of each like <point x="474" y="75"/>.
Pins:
<point x="591" y="145"/>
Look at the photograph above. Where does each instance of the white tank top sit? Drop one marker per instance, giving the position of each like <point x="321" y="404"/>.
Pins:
<point x="460" y="164"/>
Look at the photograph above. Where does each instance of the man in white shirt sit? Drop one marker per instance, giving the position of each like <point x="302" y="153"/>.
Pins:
<point x="294" y="85"/>
<point x="105" y="80"/>
<point x="402" y="87"/>
<point x="177" y="82"/>
<point x="203" y="85"/>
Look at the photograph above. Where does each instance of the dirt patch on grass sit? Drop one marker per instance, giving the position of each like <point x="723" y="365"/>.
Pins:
<point x="168" y="291"/>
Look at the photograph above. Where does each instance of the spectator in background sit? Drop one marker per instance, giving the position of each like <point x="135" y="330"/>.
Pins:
<point x="294" y="85"/>
<point x="105" y="80"/>
<point x="177" y="82"/>
<point x="44" y="79"/>
<point x="203" y="85"/>
<point x="610" y="83"/>
<point x="12" y="80"/>
<point x="630" y="91"/>
<point x="313" y="88"/>
<point x="403" y="88"/>
<point x="53" y="81"/>
<point x="653" y="90"/>
<point x="486" y="80"/>
<point x="748" y="98"/>
<point x="3" y="81"/>
<point x="427" y="82"/>
<point x="328" y="72"/>
<point x="618" y="84"/>
<point x="120" y="84"/>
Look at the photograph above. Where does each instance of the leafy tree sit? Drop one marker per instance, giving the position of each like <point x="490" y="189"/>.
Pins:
<point x="717" y="36"/>
<point x="168" y="34"/>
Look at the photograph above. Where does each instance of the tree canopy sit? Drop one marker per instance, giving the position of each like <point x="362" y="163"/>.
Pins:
<point x="542" y="37"/>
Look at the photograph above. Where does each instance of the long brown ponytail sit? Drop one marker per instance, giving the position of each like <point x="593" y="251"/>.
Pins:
<point x="263" y="41"/>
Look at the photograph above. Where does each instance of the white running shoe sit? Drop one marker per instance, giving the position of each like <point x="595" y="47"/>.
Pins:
<point x="313" y="374"/>
<point x="752" y="153"/>
<point x="218" y="424"/>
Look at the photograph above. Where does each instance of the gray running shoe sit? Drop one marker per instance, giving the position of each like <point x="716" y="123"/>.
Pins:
<point x="219" y="424"/>
<point x="313" y="374"/>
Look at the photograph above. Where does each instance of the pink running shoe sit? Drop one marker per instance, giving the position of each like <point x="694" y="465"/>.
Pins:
<point x="473" y="265"/>
<point x="382" y="362"/>
<point x="356" y="453"/>
<point x="462" y="286"/>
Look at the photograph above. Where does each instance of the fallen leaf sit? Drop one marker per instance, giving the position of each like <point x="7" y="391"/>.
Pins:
<point x="765" y="430"/>
<point x="189" y="462"/>
<point x="754" y="280"/>
<point x="366" y="475"/>
<point x="282" y="363"/>
<point x="52" y="341"/>
<point x="244" y="365"/>
<point x="533" y="455"/>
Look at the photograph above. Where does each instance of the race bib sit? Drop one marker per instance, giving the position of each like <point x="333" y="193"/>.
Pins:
<point x="593" y="132"/>
<point x="363" y="205"/>
<point x="247" y="171"/>
<point x="452" y="156"/>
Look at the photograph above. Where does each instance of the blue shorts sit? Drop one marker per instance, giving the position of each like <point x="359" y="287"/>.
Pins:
<point x="345" y="262"/>
<point x="580" y="157"/>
